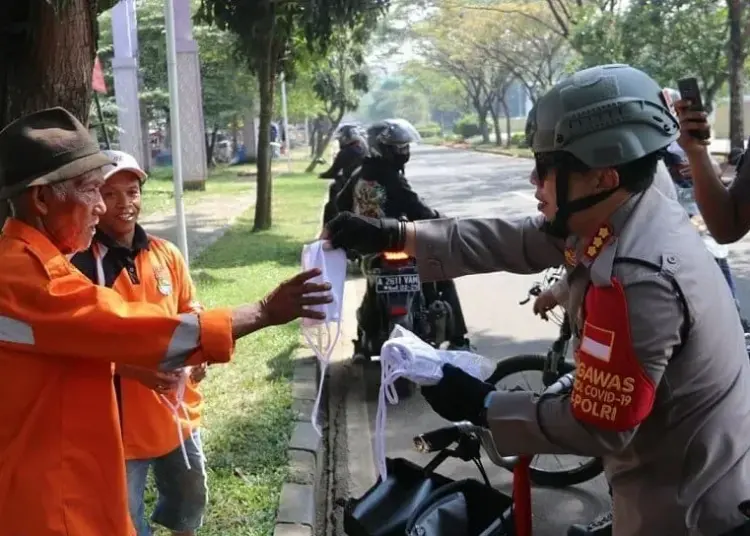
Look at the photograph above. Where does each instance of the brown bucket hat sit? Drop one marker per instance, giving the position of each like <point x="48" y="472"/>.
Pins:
<point x="44" y="148"/>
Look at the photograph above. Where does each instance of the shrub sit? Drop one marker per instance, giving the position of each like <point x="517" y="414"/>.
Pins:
<point x="429" y="130"/>
<point x="467" y="127"/>
<point x="518" y="139"/>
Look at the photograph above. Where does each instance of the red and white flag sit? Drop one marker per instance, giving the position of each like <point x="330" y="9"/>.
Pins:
<point x="597" y="342"/>
<point x="97" y="78"/>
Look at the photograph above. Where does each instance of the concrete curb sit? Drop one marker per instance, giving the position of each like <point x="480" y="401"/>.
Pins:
<point x="297" y="512"/>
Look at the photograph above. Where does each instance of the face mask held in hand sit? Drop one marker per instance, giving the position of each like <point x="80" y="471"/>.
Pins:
<point x="322" y="335"/>
<point x="404" y="355"/>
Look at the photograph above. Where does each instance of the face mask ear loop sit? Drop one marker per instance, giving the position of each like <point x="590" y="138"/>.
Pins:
<point x="174" y="408"/>
<point x="324" y="355"/>
<point x="393" y="365"/>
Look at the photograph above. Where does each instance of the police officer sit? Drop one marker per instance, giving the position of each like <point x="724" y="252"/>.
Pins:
<point x="352" y="150"/>
<point x="379" y="188"/>
<point x="662" y="375"/>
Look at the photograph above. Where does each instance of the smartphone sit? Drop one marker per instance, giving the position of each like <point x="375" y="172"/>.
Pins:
<point x="689" y="90"/>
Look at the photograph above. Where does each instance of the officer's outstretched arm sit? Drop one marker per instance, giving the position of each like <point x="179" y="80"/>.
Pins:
<point x="617" y="375"/>
<point x="449" y="248"/>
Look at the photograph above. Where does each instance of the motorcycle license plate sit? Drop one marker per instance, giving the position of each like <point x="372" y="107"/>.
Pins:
<point x="389" y="284"/>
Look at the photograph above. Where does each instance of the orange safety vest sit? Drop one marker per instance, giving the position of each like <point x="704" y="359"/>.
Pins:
<point x="61" y="457"/>
<point x="153" y="271"/>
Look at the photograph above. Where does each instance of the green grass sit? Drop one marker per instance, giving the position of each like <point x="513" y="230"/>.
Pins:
<point x="247" y="417"/>
<point x="158" y="192"/>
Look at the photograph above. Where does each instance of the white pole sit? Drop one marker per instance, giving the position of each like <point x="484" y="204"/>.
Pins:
<point x="286" y="124"/>
<point x="174" y="117"/>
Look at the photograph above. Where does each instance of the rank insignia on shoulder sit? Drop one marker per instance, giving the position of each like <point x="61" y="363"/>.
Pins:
<point x="570" y="256"/>
<point x="597" y="242"/>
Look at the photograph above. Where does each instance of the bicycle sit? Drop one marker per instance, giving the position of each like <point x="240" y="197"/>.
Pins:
<point x="553" y="366"/>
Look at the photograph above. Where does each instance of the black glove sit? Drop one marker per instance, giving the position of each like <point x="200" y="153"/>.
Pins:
<point x="458" y="396"/>
<point x="366" y="235"/>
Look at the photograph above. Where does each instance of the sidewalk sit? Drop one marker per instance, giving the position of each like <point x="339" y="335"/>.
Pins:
<point x="207" y="220"/>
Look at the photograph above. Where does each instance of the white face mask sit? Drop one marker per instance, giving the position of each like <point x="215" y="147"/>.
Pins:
<point x="404" y="355"/>
<point x="317" y="333"/>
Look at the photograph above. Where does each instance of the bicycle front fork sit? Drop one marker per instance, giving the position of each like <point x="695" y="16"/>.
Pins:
<point x="551" y="371"/>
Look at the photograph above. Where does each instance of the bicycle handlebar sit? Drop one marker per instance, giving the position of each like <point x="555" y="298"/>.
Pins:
<point x="534" y="291"/>
<point x="437" y="440"/>
<point x="440" y="439"/>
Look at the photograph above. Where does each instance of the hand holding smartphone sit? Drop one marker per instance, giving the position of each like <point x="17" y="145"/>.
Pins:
<point x="689" y="91"/>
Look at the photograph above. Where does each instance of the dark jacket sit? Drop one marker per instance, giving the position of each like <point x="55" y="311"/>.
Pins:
<point x="347" y="160"/>
<point x="378" y="190"/>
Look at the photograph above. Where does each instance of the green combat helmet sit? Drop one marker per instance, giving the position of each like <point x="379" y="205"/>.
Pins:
<point x="604" y="116"/>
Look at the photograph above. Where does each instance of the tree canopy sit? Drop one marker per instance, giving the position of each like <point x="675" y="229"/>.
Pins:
<point x="227" y="85"/>
<point x="272" y="35"/>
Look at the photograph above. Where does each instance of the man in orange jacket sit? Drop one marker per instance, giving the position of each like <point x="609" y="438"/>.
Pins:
<point x="62" y="470"/>
<point x="159" y="411"/>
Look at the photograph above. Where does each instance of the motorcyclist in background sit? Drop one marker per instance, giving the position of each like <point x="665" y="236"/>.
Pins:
<point x="379" y="189"/>
<point x="352" y="150"/>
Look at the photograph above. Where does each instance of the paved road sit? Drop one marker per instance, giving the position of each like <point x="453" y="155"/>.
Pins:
<point x="461" y="183"/>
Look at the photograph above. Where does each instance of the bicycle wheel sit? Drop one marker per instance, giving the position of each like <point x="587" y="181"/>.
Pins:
<point x="587" y="469"/>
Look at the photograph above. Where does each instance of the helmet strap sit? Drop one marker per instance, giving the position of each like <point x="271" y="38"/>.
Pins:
<point x="558" y="227"/>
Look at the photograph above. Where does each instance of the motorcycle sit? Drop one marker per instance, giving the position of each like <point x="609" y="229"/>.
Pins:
<point x="395" y="296"/>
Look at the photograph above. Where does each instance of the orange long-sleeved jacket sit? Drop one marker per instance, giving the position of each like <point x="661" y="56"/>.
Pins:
<point x="61" y="458"/>
<point x="152" y="271"/>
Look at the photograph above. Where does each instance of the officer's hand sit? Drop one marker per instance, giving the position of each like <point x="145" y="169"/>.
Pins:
<point x="291" y="299"/>
<point x="458" y="396"/>
<point x="689" y="120"/>
<point x="158" y="381"/>
<point x="366" y="235"/>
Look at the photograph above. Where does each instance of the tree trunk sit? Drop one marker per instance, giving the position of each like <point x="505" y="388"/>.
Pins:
<point x="506" y="111"/>
<point x="736" y="76"/>
<point x="263" y="196"/>
<point x="211" y="145"/>
<point x="50" y="65"/>
<point x="323" y="143"/>
<point x="496" y="126"/>
<point x="483" y="127"/>
<point x="235" y="133"/>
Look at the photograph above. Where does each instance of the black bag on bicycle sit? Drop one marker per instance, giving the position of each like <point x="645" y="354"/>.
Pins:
<point x="463" y="508"/>
<point x="385" y="508"/>
<point x="415" y="501"/>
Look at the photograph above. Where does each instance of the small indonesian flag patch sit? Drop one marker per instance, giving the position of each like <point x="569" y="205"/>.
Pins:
<point x="597" y="342"/>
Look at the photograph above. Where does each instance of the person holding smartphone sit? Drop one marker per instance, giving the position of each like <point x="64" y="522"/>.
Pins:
<point x="725" y="210"/>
